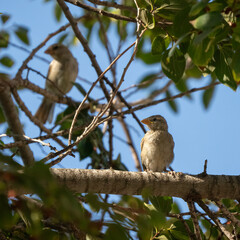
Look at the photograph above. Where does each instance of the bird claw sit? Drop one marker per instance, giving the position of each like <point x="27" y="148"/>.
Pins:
<point x="175" y="174"/>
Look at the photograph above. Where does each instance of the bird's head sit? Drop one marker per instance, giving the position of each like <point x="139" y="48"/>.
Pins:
<point x="156" y="122"/>
<point x="58" y="51"/>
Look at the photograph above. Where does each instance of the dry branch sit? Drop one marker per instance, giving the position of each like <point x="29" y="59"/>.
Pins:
<point x="159" y="184"/>
<point x="14" y="123"/>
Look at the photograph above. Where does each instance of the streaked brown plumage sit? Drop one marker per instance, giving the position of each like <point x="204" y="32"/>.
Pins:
<point x="157" y="145"/>
<point x="62" y="73"/>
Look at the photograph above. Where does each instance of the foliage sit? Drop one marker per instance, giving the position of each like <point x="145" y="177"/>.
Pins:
<point x="187" y="39"/>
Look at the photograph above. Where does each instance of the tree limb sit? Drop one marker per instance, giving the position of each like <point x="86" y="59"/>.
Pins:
<point x="159" y="184"/>
<point x="14" y="123"/>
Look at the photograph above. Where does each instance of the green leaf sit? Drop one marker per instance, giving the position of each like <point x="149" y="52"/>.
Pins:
<point x="236" y="33"/>
<point x="5" y="18"/>
<point x="201" y="52"/>
<point x="4" y="38"/>
<point x="57" y="12"/>
<point x="147" y="18"/>
<point x="223" y="70"/>
<point x="150" y="2"/>
<point x="172" y="103"/>
<point x="116" y="232"/>
<point x="181" y="25"/>
<point x="85" y="148"/>
<point x="198" y="7"/>
<point x="147" y="80"/>
<point x="118" y="165"/>
<point x="182" y="87"/>
<point x="145" y="227"/>
<point x="22" y="34"/>
<point x="208" y="20"/>
<point x="2" y="117"/>
<point x="158" y="46"/>
<point x="6" y="61"/>
<point x="173" y="66"/>
<point x="236" y="66"/>
<point x="7" y="219"/>
<point x="80" y="88"/>
<point x="148" y="58"/>
<point x="178" y="42"/>
<point x="62" y="38"/>
<point x="162" y="204"/>
<point x="179" y="235"/>
<point x="217" y="6"/>
<point x="207" y="96"/>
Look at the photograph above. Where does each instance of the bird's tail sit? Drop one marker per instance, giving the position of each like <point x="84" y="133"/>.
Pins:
<point x="45" y="111"/>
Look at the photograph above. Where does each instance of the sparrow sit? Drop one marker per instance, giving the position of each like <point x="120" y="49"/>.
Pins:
<point x="62" y="73"/>
<point x="157" y="145"/>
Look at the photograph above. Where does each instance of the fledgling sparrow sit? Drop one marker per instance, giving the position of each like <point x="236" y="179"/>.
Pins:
<point x="157" y="145"/>
<point x="62" y="73"/>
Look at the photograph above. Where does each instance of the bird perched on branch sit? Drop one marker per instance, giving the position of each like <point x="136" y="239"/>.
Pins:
<point x="157" y="145"/>
<point x="61" y="75"/>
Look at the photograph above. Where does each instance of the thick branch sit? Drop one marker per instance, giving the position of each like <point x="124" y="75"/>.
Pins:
<point x="161" y="184"/>
<point x="14" y="123"/>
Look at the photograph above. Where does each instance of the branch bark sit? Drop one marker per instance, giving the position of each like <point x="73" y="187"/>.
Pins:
<point x="12" y="118"/>
<point x="160" y="184"/>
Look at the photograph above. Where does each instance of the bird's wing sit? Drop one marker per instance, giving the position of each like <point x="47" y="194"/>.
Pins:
<point x="142" y="142"/>
<point x="54" y="76"/>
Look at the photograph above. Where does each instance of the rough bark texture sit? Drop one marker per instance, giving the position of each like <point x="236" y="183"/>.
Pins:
<point x="159" y="184"/>
<point x="14" y="123"/>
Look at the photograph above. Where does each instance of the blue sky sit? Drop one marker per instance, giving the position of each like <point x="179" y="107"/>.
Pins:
<point x="199" y="134"/>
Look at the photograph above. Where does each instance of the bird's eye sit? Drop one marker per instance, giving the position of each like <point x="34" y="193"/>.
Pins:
<point x="154" y="119"/>
<point x="55" y="47"/>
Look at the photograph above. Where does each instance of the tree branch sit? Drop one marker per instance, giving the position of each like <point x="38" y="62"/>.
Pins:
<point x="193" y="213"/>
<point x="14" y="123"/>
<point x="159" y="184"/>
<point x="215" y="219"/>
<point x="100" y="11"/>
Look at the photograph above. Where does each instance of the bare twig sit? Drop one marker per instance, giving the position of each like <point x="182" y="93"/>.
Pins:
<point x="100" y="11"/>
<point x="27" y="84"/>
<point x="32" y="118"/>
<point x="41" y="138"/>
<point x="228" y="214"/>
<point x="84" y="43"/>
<point x="113" y="5"/>
<point x="93" y="85"/>
<point x="25" y="62"/>
<point x="142" y="106"/>
<point x="129" y="111"/>
<point x="192" y="210"/>
<point x="131" y="144"/>
<point x="215" y="219"/>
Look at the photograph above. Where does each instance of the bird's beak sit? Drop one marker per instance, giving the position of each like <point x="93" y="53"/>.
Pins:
<point x="48" y="51"/>
<point x="146" y="121"/>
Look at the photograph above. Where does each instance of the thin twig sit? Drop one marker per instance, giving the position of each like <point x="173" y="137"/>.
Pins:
<point x="228" y="214"/>
<point x="192" y="210"/>
<point x="131" y="144"/>
<point x="100" y="11"/>
<point x="32" y="118"/>
<point x="25" y="62"/>
<point x="142" y="106"/>
<point x="41" y="138"/>
<point x="215" y="219"/>
<point x="129" y="111"/>
<point x="179" y="216"/>
<point x="90" y="90"/>
<point x="113" y="5"/>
